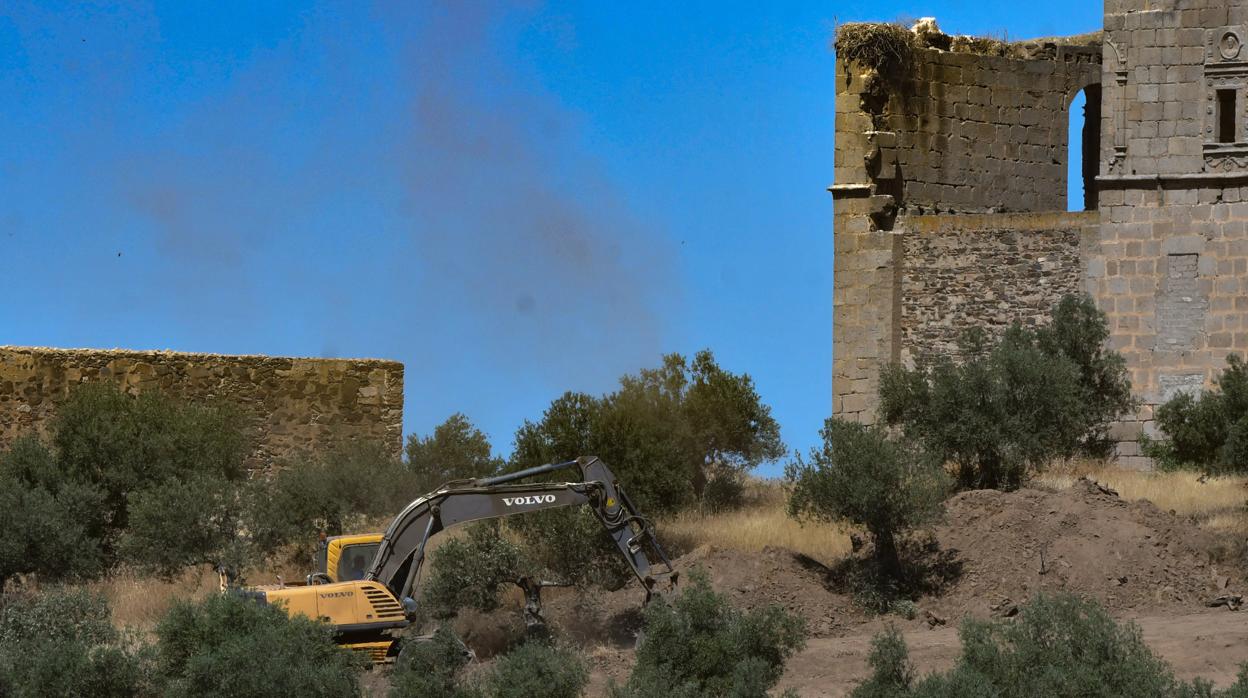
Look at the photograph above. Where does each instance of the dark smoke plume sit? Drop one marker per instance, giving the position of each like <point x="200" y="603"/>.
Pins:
<point x="511" y="219"/>
<point x="393" y="180"/>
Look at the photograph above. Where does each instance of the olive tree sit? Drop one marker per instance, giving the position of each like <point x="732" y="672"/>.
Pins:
<point x="1010" y="406"/>
<point x="456" y="450"/>
<point x="681" y="434"/>
<point x="53" y="526"/>
<point x="861" y="476"/>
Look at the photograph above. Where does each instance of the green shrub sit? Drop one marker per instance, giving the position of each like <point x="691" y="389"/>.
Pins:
<point x="724" y="491"/>
<point x="188" y="521"/>
<point x="892" y="675"/>
<point x="1080" y="333"/>
<point x="430" y="668"/>
<point x="862" y="476"/>
<point x="433" y="669"/>
<point x="456" y="450"/>
<point x="62" y="644"/>
<point x="469" y="572"/>
<point x="331" y="493"/>
<point x="536" y="670"/>
<point x="573" y="546"/>
<point x="1060" y="646"/>
<point x="52" y="528"/>
<point x="668" y="433"/>
<point x="228" y="645"/>
<point x="699" y="646"/>
<point x="1240" y="688"/>
<point x="1015" y="405"/>
<point x="124" y="444"/>
<point x="1209" y="432"/>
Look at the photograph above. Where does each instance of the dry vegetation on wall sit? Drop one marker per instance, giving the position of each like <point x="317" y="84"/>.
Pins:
<point x="887" y="49"/>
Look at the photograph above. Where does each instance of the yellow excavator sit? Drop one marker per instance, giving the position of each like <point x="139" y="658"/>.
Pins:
<point x="368" y="603"/>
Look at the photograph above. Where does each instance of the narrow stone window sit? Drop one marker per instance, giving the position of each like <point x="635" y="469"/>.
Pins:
<point x="1084" y="162"/>
<point x="1226" y="116"/>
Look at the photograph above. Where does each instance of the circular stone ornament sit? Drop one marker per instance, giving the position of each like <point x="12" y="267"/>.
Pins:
<point x="1230" y="46"/>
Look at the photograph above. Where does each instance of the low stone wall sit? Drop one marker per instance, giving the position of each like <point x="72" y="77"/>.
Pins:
<point x="985" y="271"/>
<point x="292" y="404"/>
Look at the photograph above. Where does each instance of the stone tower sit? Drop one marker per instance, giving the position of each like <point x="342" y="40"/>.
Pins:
<point x="950" y="197"/>
<point x="1170" y="267"/>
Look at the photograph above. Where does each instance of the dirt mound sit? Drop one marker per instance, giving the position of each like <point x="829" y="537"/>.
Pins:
<point x="777" y="576"/>
<point x="1130" y="556"/>
<point x="1004" y="547"/>
<point x="751" y="580"/>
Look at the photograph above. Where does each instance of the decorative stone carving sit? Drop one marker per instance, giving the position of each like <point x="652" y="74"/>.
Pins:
<point x="1225" y="44"/>
<point x="1226" y="157"/>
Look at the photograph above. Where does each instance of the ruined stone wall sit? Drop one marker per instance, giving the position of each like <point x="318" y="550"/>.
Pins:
<point x="1168" y="260"/>
<point x="987" y="133"/>
<point x="987" y="272"/>
<point x="291" y="404"/>
<point x="907" y="295"/>
<point x="1170" y="267"/>
<point x="962" y="133"/>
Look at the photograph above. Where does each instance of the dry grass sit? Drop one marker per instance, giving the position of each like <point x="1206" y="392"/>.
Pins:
<point x="1218" y="505"/>
<point x="1181" y="492"/>
<point x="762" y="522"/>
<point x="139" y="602"/>
<point x="886" y="48"/>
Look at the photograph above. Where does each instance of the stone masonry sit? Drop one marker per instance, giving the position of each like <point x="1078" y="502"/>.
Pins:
<point x="961" y="141"/>
<point x="291" y="405"/>
<point x="922" y="251"/>
<point x="985" y="271"/>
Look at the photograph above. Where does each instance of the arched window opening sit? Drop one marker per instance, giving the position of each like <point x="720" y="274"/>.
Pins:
<point x="1085" y="149"/>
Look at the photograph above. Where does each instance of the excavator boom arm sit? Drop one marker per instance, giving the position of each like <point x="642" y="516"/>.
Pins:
<point x="401" y="554"/>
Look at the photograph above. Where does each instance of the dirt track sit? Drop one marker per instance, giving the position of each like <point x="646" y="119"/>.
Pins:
<point x="1210" y="645"/>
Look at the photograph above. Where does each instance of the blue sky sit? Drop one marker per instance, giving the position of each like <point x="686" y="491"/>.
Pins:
<point x="514" y="199"/>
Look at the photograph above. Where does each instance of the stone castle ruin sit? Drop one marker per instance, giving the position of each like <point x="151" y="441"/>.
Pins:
<point x="291" y="405"/>
<point x="950" y="195"/>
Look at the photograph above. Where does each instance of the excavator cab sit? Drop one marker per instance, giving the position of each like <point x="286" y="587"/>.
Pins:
<point x="345" y="558"/>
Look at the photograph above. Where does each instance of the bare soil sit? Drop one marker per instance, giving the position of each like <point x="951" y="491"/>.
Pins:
<point x="1131" y="556"/>
<point x="996" y="550"/>
<point x="1142" y="563"/>
<point x="1209" y="644"/>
